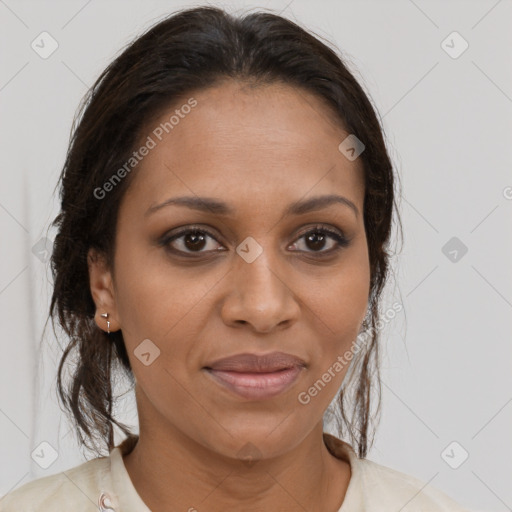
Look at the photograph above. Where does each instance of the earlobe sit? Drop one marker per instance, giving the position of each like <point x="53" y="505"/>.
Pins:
<point x="102" y="291"/>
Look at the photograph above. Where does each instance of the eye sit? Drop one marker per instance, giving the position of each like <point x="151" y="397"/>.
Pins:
<point x="200" y="240"/>
<point x="190" y="240"/>
<point x="317" y="238"/>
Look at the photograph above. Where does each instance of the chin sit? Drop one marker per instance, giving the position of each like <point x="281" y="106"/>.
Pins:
<point x="253" y="443"/>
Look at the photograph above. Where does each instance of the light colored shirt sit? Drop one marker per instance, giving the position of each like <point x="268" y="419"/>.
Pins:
<point x="104" y="484"/>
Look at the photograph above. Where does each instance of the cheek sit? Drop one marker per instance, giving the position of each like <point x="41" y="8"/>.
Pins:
<point x="337" y="312"/>
<point x="166" y="306"/>
<point x="340" y="302"/>
<point x="153" y="297"/>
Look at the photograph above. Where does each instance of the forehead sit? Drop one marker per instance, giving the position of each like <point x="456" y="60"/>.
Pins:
<point x="239" y="139"/>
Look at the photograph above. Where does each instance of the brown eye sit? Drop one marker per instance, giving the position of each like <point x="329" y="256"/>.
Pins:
<point x="194" y="241"/>
<point x="191" y="241"/>
<point x="315" y="240"/>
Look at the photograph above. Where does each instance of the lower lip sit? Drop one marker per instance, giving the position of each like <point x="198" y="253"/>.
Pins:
<point x="257" y="386"/>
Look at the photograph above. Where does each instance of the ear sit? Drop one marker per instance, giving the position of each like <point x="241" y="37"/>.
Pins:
<point x="102" y="291"/>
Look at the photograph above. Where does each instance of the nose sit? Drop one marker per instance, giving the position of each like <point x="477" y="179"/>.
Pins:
<point x="260" y="295"/>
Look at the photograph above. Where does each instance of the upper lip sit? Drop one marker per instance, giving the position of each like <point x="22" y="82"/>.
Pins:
<point x="265" y="363"/>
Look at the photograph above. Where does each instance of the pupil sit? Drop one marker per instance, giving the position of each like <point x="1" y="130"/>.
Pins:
<point x="194" y="240"/>
<point x="317" y="240"/>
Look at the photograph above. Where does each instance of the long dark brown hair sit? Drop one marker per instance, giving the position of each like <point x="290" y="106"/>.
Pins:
<point x="192" y="50"/>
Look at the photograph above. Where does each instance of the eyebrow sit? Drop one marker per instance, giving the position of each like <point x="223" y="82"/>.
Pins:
<point x="214" y="206"/>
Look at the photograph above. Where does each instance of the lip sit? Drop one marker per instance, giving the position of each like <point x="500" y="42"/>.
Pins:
<point x="256" y="386"/>
<point x="254" y="363"/>
<point x="256" y="377"/>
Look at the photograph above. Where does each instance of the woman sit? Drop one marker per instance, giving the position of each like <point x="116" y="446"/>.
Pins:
<point x="226" y="209"/>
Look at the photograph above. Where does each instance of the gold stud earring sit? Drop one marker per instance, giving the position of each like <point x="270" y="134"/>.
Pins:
<point x="105" y="315"/>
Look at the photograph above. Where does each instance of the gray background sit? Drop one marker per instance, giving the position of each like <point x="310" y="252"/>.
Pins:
<point x="446" y="356"/>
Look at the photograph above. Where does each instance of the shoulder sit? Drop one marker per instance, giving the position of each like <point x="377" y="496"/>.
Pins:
<point x="76" y="489"/>
<point x="375" y="487"/>
<point x="406" y="492"/>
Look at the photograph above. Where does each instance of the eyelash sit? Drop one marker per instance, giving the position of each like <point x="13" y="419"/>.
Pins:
<point x="341" y="240"/>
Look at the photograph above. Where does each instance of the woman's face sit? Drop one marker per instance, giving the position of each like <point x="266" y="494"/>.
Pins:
<point x="258" y="276"/>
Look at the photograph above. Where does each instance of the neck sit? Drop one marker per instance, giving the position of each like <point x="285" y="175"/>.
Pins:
<point x="171" y="471"/>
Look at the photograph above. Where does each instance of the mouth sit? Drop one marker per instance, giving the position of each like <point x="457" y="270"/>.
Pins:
<point x="256" y="385"/>
<point x="256" y="377"/>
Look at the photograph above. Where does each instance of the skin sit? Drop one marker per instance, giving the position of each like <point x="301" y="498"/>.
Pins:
<point x="259" y="150"/>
